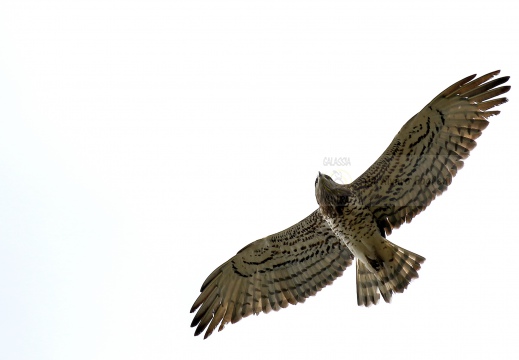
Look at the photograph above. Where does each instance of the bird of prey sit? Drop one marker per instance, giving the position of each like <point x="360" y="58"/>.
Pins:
<point x="353" y="220"/>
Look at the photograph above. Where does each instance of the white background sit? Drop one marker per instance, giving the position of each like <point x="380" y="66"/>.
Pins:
<point x="142" y="143"/>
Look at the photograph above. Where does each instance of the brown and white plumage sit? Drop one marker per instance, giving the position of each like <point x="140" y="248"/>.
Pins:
<point x="353" y="220"/>
<point x="270" y="273"/>
<point x="425" y="155"/>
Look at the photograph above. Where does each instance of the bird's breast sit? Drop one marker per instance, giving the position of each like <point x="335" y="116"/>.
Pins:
<point x="355" y="227"/>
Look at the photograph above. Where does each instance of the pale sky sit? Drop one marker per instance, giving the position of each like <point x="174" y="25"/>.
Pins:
<point x="143" y="143"/>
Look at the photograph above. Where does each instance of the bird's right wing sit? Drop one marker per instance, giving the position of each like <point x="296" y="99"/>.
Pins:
<point x="286" y="267"/>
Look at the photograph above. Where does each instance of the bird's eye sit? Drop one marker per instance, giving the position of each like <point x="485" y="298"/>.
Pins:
<point x="316" y="181"/>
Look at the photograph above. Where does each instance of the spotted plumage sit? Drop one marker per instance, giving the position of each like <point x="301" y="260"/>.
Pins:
<point x="353" y="220"/>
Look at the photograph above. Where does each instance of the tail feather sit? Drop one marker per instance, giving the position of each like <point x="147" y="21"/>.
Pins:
<point x="394" y="275"/>
<point x="369" y="288"/>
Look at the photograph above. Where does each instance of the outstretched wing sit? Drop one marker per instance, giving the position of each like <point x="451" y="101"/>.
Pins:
<point x="427" y="152"/>
<point x="270" y="273"/>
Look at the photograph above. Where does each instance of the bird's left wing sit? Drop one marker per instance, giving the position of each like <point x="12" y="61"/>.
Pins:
<point x="286" y="267"/>
<point x="428" y="151"/>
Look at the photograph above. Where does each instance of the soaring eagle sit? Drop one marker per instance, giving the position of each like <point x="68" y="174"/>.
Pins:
<point x="353" y="220"/>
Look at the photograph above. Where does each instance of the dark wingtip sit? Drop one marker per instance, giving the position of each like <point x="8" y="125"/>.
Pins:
<point x="502" y="80"/>
<point x="194" y="322"/>
<point x="198" y="331"/>
<point x="505" y="90"/>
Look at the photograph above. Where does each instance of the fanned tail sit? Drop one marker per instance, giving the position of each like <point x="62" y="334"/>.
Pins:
<point x="392" y="274"/>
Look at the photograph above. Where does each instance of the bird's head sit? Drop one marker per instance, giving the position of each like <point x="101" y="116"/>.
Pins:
<point x="331" y="196"/>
